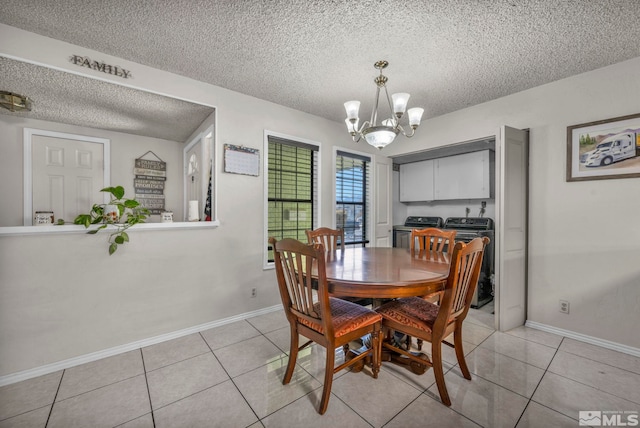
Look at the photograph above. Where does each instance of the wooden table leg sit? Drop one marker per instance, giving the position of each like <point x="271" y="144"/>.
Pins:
<point x="396" y="358"/>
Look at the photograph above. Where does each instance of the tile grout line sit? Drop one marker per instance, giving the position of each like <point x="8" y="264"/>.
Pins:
<point x="529" y="399"/>
<point x="172" y="364"/>
<point x="314" y="378"/>
<point x="350" y="408"/>
<point x="539" y="382"/>
<point x="54" y="398"/>
<point x="100" y="387"/>
<point x="304" y="370"/>
<point x="598" y="361"/>
<point x="230" y="378"/>
<point x="595" y="361"/>
<point x="465" y="358"/>
<point x="546" y="371"/>
<point x="146" y="380"/>
<point x="426" y="390"/>
<point x="209" y="387"/>
<point x="591" y="386"/>
<point x="502" y="386"/>
<point x="486" y="380"/>
<point x="514" y="358"/>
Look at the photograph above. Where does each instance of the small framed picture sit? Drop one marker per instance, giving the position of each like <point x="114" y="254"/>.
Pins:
<point x="604" y="149"/>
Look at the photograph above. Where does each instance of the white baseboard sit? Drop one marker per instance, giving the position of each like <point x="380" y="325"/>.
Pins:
<point x="87" y="358"/>
<point x="584" y="338"/>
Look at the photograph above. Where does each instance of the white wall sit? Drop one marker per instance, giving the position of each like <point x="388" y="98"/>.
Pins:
<point x="62" y="296"/>
<point x="125" y="148"/>
<point x="584" y="237"/>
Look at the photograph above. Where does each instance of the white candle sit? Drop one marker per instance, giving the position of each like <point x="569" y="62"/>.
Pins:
<point x="193" y="211"/>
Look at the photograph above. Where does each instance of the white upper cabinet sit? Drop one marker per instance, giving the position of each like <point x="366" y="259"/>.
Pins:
<point x="465" y="176"/>
<point x="416" y="181"/>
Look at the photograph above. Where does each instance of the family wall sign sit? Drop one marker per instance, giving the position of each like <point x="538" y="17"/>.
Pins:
<point x="84" y="61"/>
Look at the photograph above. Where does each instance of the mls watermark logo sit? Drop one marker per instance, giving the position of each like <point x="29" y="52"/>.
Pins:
<point x="608" y="418"/>
<point x="590" y="418"/>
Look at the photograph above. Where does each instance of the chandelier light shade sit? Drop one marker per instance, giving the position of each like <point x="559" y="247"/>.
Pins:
<point x="14" y="102"/>
<point x="380" y="136"/>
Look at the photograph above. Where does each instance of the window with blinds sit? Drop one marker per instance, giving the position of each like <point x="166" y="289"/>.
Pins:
<point x="292" y="189"/>
<point x="352" y="196"/>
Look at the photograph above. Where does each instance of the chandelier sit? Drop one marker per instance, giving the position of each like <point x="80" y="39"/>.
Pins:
<point x="381" y="135"/>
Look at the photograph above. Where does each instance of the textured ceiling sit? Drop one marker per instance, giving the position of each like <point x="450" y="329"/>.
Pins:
<point x="314" y="55"/>
<point x="76" y="100"/>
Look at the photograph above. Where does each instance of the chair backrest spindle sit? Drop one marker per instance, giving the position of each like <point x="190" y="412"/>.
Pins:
<point x="432" y="239"/>
<point x="295" y="263"/>
<point x="466" y="263"/>
<point x="329" y="238"/>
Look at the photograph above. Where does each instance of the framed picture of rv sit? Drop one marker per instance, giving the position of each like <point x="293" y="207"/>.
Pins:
<point x="604" y="149"/>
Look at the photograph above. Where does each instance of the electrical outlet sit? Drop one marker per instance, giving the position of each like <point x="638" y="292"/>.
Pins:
<point x="564" y="306"/>
<point x="254" y="292"/>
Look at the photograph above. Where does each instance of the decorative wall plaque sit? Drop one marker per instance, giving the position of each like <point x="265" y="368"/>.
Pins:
<point x="150" y="176"/>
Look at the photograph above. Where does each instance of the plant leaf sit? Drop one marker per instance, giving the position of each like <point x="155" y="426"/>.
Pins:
<point x="94" y="231"/>
<point x="136" y="214"/>
<point x="117" y="192"/>
<point x="84" y="219"/>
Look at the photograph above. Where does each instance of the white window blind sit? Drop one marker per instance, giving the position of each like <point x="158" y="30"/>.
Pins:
<point x="292" y="189"/>
<point x="353" y="196"/>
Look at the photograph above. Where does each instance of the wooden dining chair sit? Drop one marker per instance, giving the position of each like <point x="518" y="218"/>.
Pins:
<point x="430" y="239"/>
<point x="422" y="319"/>
<point x="330" y="322"/>
<point x="329" y="238"/>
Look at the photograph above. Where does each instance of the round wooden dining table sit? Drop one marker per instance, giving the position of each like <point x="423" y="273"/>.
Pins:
<point x="385" y="273"/>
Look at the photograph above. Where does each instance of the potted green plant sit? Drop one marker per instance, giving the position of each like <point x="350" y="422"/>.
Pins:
<point x="113" y="214"/>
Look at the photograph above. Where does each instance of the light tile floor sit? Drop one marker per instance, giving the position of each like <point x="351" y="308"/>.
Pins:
<point x="231" y="376"/>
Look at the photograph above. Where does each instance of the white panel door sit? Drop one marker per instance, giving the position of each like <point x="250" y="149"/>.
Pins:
<point x="383" y="222"/>
<point x="511" y="228"/>
<point x="67" y="175"/>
